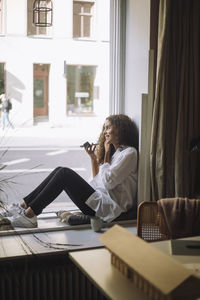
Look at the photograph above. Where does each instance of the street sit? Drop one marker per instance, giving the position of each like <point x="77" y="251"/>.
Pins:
<point x="26" y="167"/>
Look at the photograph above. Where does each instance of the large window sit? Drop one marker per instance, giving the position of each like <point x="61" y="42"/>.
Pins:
<point x="80" y="89"/>
<point x="2" y="79"/>
<point x="31" y="28"/>
<point x="83" y="19"/>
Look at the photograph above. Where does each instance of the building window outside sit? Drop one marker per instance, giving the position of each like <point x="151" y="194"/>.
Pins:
<point x="82" y="19"/>
<point x="80" y="89"/>
<point x="31" y="28"/>
<point x="2" y="78"/>
<point x="41" y="91"/>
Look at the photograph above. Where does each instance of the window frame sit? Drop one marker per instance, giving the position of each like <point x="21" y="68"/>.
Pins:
<point x="82" y="15"/>
<point x="36" y="34"/>
<point x="82" y="114"/>
<point x="2" y="17"/>
<point x="117" y="56"/>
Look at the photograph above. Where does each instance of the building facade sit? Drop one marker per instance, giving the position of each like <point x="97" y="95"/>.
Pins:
<point x="60" y="73"/>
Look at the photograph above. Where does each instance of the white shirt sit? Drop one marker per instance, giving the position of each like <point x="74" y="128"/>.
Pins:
<point x="115" y="185"/>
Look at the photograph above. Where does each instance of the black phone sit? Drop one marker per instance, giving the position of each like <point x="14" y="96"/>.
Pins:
<point x="86" y="144"/>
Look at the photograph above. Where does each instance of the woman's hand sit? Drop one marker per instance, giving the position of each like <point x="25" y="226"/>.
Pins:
<point x="107" y="147"/>
<point x="90" y="149"/>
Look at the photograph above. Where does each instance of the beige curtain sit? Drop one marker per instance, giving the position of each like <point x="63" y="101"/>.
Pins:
<point x="176" y="117"/>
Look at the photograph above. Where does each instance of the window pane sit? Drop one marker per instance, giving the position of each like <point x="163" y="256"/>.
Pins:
<point x="31" y="28"/>
<point x="76" y="26"/>
<point x="77" y="8"/>
<point x="43" y="17"/>
<point x="82" y="16"/>
<point x="80" y="89"/>
<point x="39" y="93"/>
<point x="86" y="32"/>
<point x="41" y="30"/>
<point x="87" y="7"/>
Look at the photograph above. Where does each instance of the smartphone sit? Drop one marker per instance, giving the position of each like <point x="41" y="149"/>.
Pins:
<point x="86" y="144"/>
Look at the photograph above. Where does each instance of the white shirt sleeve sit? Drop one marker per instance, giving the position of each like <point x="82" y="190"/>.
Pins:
<point x="119" y="169"/>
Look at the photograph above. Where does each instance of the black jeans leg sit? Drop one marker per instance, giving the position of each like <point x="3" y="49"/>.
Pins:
<point x="61" y="179"/>
<point x="40" y="187"/>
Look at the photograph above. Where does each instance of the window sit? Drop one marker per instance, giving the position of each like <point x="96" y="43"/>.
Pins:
<point x="80" y="89"/>
<point x="1" y="16"/>
<point x="82" y="19"/>
<point x="31" y="28"/>
<point x="40" y="91"/>
<point x="2" y="79"/>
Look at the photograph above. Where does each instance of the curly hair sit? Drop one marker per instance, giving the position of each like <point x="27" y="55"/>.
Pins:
<point x="126" y="131"/>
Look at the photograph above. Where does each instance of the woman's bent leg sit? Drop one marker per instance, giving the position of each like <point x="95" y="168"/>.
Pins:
<point x="30" y="197"/>
<point x="64" y="179"/>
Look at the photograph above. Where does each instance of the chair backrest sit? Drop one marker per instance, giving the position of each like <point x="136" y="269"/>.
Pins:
<point x="151" y="226"/>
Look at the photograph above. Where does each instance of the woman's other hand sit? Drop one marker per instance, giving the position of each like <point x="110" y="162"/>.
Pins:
<point x="90" y="149"/>
<point x="107" y="147"/>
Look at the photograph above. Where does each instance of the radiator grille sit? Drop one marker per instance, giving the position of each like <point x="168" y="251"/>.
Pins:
<point x="45" y="281"/>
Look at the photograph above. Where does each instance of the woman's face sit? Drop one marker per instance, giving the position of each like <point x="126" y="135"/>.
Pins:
<point x="110" y="133"/>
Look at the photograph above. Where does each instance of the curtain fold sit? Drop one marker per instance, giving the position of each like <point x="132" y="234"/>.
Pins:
<point x="174" y="169"/>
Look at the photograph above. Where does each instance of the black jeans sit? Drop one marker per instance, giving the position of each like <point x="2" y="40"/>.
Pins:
<point x="61" y="179"/>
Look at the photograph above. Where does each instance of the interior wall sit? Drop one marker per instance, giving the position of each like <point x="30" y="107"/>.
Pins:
<point x="137" y="53"/>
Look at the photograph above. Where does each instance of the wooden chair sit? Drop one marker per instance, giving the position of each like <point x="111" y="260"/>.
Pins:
<point x="151" y="226"/>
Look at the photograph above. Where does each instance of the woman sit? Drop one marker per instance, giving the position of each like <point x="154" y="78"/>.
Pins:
<point x="114" y="184"/>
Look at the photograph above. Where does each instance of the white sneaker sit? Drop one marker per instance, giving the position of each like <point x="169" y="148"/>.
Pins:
<point x="11" y="210"/>
<point x="23" y="221"/>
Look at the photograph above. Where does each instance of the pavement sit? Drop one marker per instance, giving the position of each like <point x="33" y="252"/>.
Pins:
<point x="45" y="136"/>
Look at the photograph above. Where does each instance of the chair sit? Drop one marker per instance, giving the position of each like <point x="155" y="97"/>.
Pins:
<point x="150" y="223"/>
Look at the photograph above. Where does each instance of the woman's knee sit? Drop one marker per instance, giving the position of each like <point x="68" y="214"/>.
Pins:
<point x="66" y="170"/>
<point x="65" y="174"/>
<point x="57" y="169"/>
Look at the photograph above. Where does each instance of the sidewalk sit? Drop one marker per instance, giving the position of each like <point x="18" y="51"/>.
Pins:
<point x="42" y="135"/>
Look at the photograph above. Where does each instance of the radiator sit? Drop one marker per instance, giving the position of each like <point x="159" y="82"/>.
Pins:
<point x="47" y="280"/>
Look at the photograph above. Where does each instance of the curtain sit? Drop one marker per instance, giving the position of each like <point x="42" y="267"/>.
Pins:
<point x="175" y="171"/>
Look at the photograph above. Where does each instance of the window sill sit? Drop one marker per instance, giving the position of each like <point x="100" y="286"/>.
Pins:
<point x="84" y="39"/>
<point x="39" y="36"/>
<point x="92" y="114"/>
